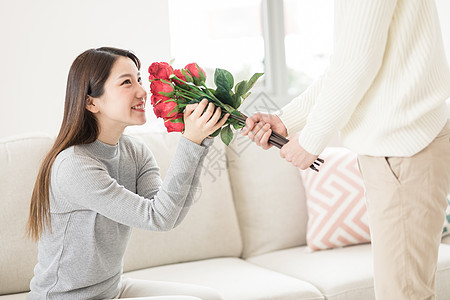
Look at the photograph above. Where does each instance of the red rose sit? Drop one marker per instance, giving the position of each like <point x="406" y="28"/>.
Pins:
<point x="155" y="99"/>
<point x="158" y="86"/>
<point x="174" y="127"/>
<point x="196" y="72"/>
<point x="157" y="110"/>
<point x="165" y="109"/>
<point x="161" y="70"/>
<point x="183" y="75"/>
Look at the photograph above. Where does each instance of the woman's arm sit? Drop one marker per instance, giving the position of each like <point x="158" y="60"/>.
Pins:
<point x="173" y="176"/>
<point x="194" y="185"/>
<point x="85" y="183"/>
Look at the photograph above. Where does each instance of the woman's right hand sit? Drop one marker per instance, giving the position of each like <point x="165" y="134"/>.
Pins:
<point x="200" y="123"/>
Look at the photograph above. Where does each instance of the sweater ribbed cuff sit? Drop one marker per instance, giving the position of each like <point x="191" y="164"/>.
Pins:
<point x="289" y="116"/>
<point x="311" y="143"/>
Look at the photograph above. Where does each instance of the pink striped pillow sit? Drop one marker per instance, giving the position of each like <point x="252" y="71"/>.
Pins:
<point x="335" y="202"/>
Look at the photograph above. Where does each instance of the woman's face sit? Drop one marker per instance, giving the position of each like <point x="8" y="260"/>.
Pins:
<point x="123" y="101"/>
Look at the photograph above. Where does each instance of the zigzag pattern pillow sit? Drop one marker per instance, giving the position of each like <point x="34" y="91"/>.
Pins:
<point x="335" y="202"/>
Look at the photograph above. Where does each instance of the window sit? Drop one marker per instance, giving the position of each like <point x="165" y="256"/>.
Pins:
<point x="290" y="41"/>
<point x="218" y="34"/>
<point x="308" y="41"/>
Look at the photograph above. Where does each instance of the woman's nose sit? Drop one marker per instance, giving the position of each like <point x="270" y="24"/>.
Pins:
<point x="141" y="92"/>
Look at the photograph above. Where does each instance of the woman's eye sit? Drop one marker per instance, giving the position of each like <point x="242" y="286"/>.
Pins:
<point x="140" y="80"/>
<point x="128" y="81"/>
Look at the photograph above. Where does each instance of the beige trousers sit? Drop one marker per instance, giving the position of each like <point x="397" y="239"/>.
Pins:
<point x="406" y="202"/>
<point x="162" y="290"/>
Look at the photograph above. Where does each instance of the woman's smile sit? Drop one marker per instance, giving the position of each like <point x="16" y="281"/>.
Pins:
<point x="140" y="107"/>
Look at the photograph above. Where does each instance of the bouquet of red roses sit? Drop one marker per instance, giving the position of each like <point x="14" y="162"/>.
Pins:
<point x="172" y="90"/>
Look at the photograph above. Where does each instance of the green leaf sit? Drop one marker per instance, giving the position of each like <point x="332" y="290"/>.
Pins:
<point x="223" y="87"/>
<point x="253" y="80"/>
<point x="201" y="73"/>
<point x="215" y="133"/>
<point x="226" y="135"/>
<point x="187" y="75"/>
<point x="166" y="81"/>
<point x="182" y="105"/>
<point x="224" y="79"/>
<point x="179" y="120"/>
<point x="220" y="75"/>
<point x="236" y="101"/>
<point x="246" y="95"/>
<point x="175" y="110"/>
<point x="241" y="88"/>
<point x="166" y="94"/>
<point x="238" y="126"/>
<point x="230" y="78"/>
<point x="223" y="95"/>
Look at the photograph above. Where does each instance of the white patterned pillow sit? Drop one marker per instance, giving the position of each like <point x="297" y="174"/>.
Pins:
<point x="337" y="213"/>
<point x="446" y="230"/>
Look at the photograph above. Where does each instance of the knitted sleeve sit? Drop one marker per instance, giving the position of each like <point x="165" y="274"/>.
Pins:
<point x="294" y="114"/>
<point x="157" y="205"/>
<point x="183" y="180"/>
<point x="361" y="31"/>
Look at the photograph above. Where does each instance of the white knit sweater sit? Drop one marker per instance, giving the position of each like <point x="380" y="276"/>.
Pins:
<point x="387" y="83"/>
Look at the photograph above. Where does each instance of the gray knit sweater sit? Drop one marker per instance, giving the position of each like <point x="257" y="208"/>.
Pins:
<point x="97" y="193"/>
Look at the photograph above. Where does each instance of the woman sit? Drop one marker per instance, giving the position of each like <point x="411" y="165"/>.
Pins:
<point x="95" y="184"/>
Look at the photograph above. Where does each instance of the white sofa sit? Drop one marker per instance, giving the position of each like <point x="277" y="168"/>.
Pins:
<point x="245" y="236"/>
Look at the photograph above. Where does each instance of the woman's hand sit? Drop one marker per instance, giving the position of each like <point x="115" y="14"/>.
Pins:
<point x="200" y="123"/>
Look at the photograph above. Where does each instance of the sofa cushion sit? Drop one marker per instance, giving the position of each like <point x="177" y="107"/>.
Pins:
<point x="20" y="160"/>
<point x="336" y="203"/>
<point x="210" y="229"/>
<point x="20" y="296"/>
<point x="342" y="273"/>
<point x="258" y="179"/>
<point x="234" y="279"/>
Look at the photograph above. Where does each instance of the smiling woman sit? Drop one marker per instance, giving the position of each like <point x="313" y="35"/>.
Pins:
<point x="123" y="102"/>
<point x="95" y="184"/>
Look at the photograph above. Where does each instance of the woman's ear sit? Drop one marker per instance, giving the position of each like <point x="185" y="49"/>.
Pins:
<point x="90" y="105"/>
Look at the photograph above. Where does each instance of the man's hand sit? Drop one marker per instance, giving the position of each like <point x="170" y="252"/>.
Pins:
<point x="295" y="154"/>
<point x="259" y="128"/>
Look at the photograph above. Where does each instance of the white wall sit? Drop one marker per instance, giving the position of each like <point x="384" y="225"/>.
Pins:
<point x="40" y="40"/>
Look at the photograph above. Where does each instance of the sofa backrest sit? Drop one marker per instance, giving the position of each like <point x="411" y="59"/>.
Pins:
<point x="269" y="197"/>
<point x="210" y="229"/>
<point x="20" y="160"/>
